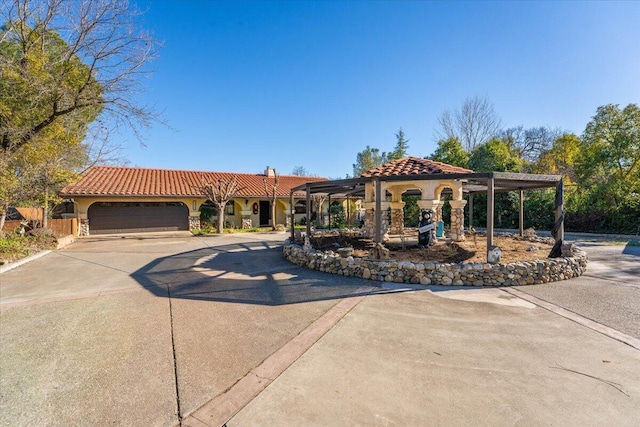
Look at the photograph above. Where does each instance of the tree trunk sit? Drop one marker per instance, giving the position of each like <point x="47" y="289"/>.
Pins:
<point x="45" y="210"/>
<point x="319" y="216"/>
<point x="3" y="216"/>
<point x="220" y="222"/>
<point x="273" y="214"/>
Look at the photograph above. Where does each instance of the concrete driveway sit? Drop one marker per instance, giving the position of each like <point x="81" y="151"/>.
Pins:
<point x="169" y="329"/>
<point x="90" y="336"/>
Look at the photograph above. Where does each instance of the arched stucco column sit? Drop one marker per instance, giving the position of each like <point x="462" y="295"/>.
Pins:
<point x="457" y="220"/>
<point x="438" y="212"/>
<point x="82" y="209"/>
<point x="287" y="212"/>
<point x="428" y="205"/>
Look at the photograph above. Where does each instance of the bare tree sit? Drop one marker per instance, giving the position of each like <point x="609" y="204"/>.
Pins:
<point x="102" y="148"/>
<point x="299" y="171"/>
<point x="220" y="192"/>
<point x="474" y="123"/>
<point x="318" y="201"/>
<point x="72" y="62"/>
<point x="531" y="143"/>
<point x="271" y="190"/>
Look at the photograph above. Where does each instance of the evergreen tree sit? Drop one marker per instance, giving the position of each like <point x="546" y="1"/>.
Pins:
<point x="367" y="159"/>
<point x="402" y="145"/>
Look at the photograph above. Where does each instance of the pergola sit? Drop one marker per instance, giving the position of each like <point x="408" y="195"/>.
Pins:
<point x="470" y="183"/>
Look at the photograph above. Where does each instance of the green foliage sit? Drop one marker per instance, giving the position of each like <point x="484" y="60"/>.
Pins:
<point x="208" y="214"/>
<point x="48" y="98"/>
<point x="42" y="85"/>
<point x="450" y="151"/>
<point x="495" y="156"/>
<point x="539" y="209"/>
<point x="14" y="246"/>
<point x="505" y="210"/>
<point x="338" y="216"/>
<point x="400" y="150"/>
<point x="370" y="158"/>
<point x="560" y="159"/>
<point x="608" y="172"/>
<point x="611" y="145"/>
<point x="601" y="172"/>
<point x="411" y="210"/>
<point x="367" y="159"/>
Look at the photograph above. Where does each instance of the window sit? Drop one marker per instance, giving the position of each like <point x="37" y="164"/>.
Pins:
<point x="230" y="208"/>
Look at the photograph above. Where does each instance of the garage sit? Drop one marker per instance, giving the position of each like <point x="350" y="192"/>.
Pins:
<point x="137" y="217"/>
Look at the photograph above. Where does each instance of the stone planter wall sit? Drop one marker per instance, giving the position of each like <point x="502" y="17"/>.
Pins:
<point x="572" y="264"/>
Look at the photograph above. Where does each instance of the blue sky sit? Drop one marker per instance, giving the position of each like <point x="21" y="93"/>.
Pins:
<point x="245" y="85"/>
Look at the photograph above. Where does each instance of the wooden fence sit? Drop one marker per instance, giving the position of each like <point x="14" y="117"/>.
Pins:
<point x="64" y="227"/>
<point x="10" y="226"/>
<point x="59" y="227"/>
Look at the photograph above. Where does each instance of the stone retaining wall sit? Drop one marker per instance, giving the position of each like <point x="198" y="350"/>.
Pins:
<point x="572" y="264"/>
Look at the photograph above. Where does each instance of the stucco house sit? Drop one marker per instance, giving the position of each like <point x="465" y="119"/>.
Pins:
<point x="109" y="199"/>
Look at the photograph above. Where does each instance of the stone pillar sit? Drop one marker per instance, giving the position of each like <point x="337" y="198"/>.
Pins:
<point x="369" y="218"/>
<point x="384" y="221"/>
<point x="457" y="220"/>
<point x="194" y="223"/>
<point x="397" y="218"/>
<point x="83" y="229"/>
<point x="367" y="228"/>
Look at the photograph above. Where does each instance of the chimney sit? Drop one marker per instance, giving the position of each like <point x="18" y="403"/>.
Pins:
<point x="270" y="172"/>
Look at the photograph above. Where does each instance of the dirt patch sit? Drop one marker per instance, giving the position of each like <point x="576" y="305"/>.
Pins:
<point x="474" y="249"/>
<point x="14" y="247"/>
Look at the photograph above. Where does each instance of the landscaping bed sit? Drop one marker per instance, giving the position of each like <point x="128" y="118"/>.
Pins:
<point x="14" y="246"/>
<point x="472" y="250"/>
<point x="572" y="262"/>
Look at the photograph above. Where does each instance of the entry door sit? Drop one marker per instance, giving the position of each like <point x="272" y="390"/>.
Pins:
<point x="265" y="213"/>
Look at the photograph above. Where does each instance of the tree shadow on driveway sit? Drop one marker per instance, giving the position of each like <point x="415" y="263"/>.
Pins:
<point x="246" y="273"/>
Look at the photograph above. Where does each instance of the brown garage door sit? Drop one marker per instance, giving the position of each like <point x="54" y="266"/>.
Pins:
<point x="137" y="217"/>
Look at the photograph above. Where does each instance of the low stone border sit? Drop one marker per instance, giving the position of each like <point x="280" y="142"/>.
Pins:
<point x="572" y="264"/>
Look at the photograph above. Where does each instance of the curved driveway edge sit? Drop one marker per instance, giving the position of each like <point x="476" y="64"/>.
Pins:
<point x="12" y="265"/>
<point x="415" y="358"/>
<point x="220" y="409"/>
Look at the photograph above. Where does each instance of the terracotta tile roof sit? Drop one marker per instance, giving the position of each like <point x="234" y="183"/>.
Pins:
<point x="126" y="181"/>
<point x="413" y="166"/>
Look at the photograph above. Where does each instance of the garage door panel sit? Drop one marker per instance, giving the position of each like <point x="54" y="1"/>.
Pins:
<point x="127" y="218"/>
